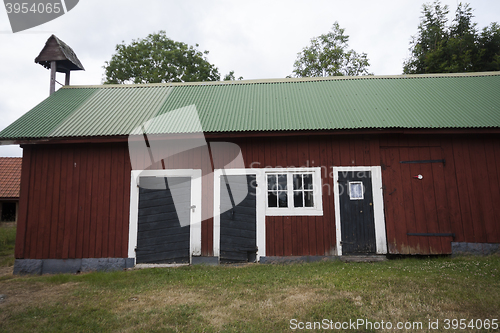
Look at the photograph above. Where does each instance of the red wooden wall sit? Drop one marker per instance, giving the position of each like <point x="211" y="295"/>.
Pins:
<point x="461" y="197"/>
<point x="75" y="197"/>
<point x="74" y="202"/>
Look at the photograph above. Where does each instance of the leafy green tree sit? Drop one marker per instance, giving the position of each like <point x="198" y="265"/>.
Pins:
<point x="157" y="59"/>
<point x="230" y="77"/>
<point x="328" y="55"/>
<point x="454" y="48"/>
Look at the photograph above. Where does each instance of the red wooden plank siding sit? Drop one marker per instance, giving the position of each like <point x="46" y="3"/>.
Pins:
<point x="477" y="214"/>
<point x="441" y="198"/>
<point x="124" y="221"/>
<point x="492" y="227"/>
<point x="56" y="165"/>
<point x="409" y="208"/>
<point x="113" y="202"/>
<point x="74" y="203"/>
<point x="23" y="203"/>
<point x="315" y="156"/>
<point x="34" y="236"/>
<point x="43" y="222"/>
<point x="463" y="192"/>
<point x="455" y="223"/>
<point x="428" y="186"/>
<point x="482" y="186"/>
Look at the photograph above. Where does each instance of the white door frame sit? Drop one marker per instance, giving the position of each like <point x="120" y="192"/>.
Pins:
<point x="260" y="202"/>
<point x="195" y="218"/>
<point x="378" y="206"/>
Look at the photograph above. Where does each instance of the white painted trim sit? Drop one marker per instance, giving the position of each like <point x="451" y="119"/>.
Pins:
<point x="195" y="218"/>
<point x="378" y="206"/>
<point x="260" y="202"/>
<point x="290" y="210"/>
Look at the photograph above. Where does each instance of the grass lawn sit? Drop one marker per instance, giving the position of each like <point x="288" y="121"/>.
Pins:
<point x="7" y="242"/>
<point x="256" y="298"/>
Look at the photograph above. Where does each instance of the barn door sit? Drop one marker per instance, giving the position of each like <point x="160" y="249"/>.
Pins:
<point x="238" y="222"/>
<point x="356" y="212"/>
<point x="161" y="237"/>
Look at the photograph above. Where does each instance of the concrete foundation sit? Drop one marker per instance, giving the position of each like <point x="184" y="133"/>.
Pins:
<point x="298" y="259"/>
<point x="481" y="249"/>
<point x="72" y="266"/>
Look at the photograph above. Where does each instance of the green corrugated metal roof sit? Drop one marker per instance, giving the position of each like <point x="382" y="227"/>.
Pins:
<point x="469" y="100"/>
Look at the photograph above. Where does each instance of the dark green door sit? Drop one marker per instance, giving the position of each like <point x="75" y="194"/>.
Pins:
<point x="356" y="212"/>
<point x="238" y="224"/>
<point x="161" y="239"/>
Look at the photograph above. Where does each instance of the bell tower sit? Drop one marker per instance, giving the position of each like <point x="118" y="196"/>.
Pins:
<point x="58" y="57"/>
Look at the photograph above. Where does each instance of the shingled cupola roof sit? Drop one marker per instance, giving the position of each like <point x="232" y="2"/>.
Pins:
<point x="57" y="50"/>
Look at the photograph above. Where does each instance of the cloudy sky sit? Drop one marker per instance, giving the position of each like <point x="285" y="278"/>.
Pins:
<point x="256" y="39"/>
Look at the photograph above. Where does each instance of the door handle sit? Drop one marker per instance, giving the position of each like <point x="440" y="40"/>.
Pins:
<point x="192" y="207"/>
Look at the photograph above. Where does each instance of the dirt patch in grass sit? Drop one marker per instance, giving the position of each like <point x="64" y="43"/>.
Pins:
<point x="21" y="295"/>
<point x="276" y="306"/>
<point x="6" y="271"/>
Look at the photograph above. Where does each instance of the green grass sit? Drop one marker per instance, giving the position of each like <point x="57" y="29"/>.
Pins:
<point x="254" y="298"/>
<point x="7" y="242"/>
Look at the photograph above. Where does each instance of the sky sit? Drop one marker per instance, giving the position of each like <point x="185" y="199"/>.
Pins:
<point x="257" y="39"/>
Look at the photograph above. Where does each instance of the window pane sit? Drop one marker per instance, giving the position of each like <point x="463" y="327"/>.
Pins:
<point x="309" y="199"/>
<point x="271" y="182"/>
<point x="308" y="181"/>
<point x="282" y="182"/>
<point x="272" y="199"/>
<point x="282" y="199"/>
<point x="297" y="182"/>
<point x="356" y="190"/>
<point x="298" y="199"/>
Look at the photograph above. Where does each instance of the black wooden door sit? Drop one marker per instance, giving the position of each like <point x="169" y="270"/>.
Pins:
<point x="356" y="212"/>
<point x="160" y="236"/>
<point x="238" y="224"/>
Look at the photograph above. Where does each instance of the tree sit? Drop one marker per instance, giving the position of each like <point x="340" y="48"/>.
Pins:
<point x="459" y="47"/>
<point x="157" y="59"/>
<point x="230" y="77"/>
<point x="328" y="55"/>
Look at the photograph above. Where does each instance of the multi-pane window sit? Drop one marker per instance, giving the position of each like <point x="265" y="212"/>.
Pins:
<point x="277" y="187"/>
<point x="303" y="195"/>
<point x="294" y="193"/>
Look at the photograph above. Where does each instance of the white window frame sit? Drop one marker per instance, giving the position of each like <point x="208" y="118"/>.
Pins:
<point x="378" y="206"/>
<point x="260" y="202"/>
<point x="317" y="210"/>
<point x="362" y="190"/>
<point x="195" y="218"/>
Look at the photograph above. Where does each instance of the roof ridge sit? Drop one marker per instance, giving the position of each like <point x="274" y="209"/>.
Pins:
<point x="287" y="80"/>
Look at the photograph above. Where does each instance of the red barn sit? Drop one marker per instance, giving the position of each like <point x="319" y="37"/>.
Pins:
<point x="10" y="180"/>
<point x="119" y="175"/>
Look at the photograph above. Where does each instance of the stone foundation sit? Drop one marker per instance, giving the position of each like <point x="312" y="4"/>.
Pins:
<point x="72" y="266"/>
<point x="481" y="249"/>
